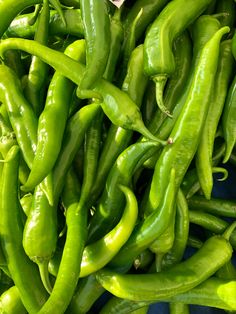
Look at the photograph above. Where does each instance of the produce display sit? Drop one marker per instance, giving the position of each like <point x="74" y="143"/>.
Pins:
<point x="117" y="121"/>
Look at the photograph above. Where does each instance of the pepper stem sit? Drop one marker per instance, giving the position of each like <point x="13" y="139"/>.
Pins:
<point x="141" y="128"/>
<point x="11" y="154"/>
<point x="221" y="170"/>
<point x="89" y="93"/>
<point x="229" y="231"/>
<point x="44" y="274"/>
<point x="33" y="20"/>
<point x="158" y="261"/>
<point x="160" y="82"/>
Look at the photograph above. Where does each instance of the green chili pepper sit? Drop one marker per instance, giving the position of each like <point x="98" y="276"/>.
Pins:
<point x="118" y="138"/>
<point x="158" y="57"/>
<point x="57" y="5"/>
<point x="176" y="253"/>
<point x="109" y="208"/>
<point x="122" y="306"/>
<point x="38" y="71"/>
<point x="228" y="125"/>
<point x="213" y="292"/>
<point x="90" y="160"/>
<point x="68" y="277"/>
<point x="117" y="105"/>
<point x="150" y="9"/>
<point x="20" y="25"/>
<point x="24" y="125"/>
<point x="211" y="223"/>
<point x="7" y="140"/>
<point x="10" y="302"/>
<point x="56" y="109"/>
<point x="97" y="34"/>
<point x="88" y="291"/>
<point x="99" y="253"/>
<point x="40" y="233"/>
<point x="22" y="270"/>
<point x="182" y="50"/>
<point x="154" y="287"/>
<point x="26" y="203"/>
<point x="177" y="240"/>
<point x="7" y="15"/>
<point x="115" y="45"/>
<point x="127" y="49"/>
<point x="234" y="45"/>
<point x="35" y="14"/>
<point x="163" y="244"/>
<point x="215" y="206"/>
<point x="205" y="148"/>
<point x="202" y="30"/>
<point x="149" y="229"/>
<point x="190" y="184"/>
<point x="42" y="220"/>
<point x="72" y="141"/>
<point x="23" y="120"/>
<point x="187" y="129"/>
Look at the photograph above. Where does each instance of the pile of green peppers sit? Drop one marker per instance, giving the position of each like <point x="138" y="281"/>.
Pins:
<point x="115" y="124"/>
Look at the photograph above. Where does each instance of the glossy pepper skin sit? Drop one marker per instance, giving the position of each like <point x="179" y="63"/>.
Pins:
<point x="10" y="302"/>
<point x="213" y="292"/>
<point x="72" y="141"/>
<point x="212" y="223"/>
<point x="38" y="71"/>
<point x="21" y="115"/>
<point x="23" y="271"/>
<point x="150" y="9"/>
<point x="101" y="252"/>
<point x="76" y="233"/>
<point x="204" y="152"/>
<point x="149" y="229"/>
<point x="154" y="287"/>
<point x="20" y="26"/>
<point x="176" y="253"/>
<point x="187" y="129"/>
<point x="97" y="34"/>
<point x="215" y="206"/>
<point x="109" y="207"/>
<point x="92" y="145"/>
<point x="16" y="8"/>
<point x="201" y="31"/>
<point x="40" y="231"/>
<point x="117" y="105"/>
<point x="7" y="140"/>
<point x="56" y="108"/>
<point x="118" y="138"/>
<point x="228" y="120"/>
<point x="159" y="62"/>
<point x="182" y="50"/>
<point x="173" y="19"/>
